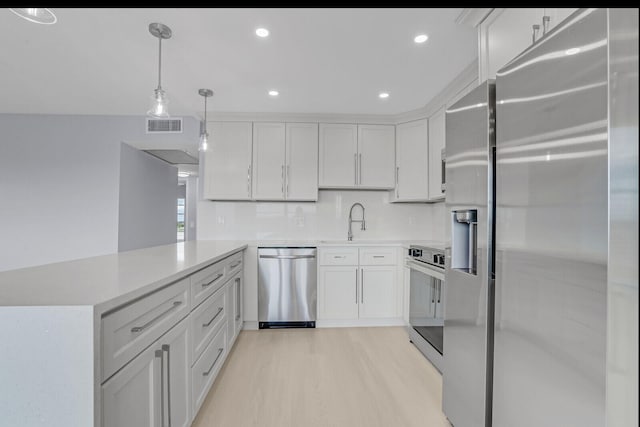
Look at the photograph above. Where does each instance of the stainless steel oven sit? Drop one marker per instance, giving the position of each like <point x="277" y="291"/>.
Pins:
<point x="426" y="301"/>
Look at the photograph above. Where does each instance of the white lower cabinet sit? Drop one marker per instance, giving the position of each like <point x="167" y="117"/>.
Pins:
<point x="363" y="291"/>
<point x="153" y="388"/>
<point x="206" y="368"/>
<point x="377" y="292"/>
<point x="338" y="292"/>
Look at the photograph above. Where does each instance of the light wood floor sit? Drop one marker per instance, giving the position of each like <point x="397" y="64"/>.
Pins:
<point x="325" y="377"/>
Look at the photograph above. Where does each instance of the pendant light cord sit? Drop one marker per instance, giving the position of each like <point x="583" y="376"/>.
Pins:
<point x="159" y="62"/>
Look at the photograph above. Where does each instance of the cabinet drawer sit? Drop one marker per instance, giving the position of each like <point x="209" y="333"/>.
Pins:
<point x="233" y="264"/>
<point x="206" y="281"/>
<point x="339" y="256"/>
<point x="206" y="320"/>
<point x="378" y="256"/>
<point x="130" y="329"/>
<point x="207" y="367"/>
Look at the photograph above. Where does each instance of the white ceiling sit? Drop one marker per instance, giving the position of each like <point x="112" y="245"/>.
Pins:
<point x="104" y="61"/>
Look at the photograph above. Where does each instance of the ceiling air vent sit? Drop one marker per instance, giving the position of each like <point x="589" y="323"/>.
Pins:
<point x="164" y="125"/>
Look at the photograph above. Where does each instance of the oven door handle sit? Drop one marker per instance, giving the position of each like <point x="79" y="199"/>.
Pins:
<point x="424" y="268"/>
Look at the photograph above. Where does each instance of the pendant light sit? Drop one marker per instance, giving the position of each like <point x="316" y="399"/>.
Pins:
<point x="39" y="15"/>
<point x="159" y="99"/>
<point x="204" y="135"/>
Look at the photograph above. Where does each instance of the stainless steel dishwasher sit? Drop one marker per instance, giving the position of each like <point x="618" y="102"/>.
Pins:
<point x="287" y="287"/>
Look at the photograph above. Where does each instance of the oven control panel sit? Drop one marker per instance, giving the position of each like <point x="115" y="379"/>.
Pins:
<point x="427" y="255"/>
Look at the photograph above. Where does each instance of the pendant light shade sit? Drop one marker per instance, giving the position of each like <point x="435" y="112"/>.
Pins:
<point x="204" y="135"/>
<point x="159" y="101"/>
<point x="39" y="15"/>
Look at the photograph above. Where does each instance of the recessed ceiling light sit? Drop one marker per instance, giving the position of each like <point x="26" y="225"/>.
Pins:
<point x="421" y="38"/>
<point x="39" y="15"/>
<point x="183" y="174"/>
<point x="262" y="32"/>
<point x="383" y="95"/>
<point x="274" y="93"/>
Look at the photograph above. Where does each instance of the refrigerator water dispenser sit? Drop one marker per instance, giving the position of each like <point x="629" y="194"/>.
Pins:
<point x="464" y="241"/>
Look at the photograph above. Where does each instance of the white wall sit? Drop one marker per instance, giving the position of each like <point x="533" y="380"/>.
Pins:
<point x="147" y="203"/>
<point x="59" y="184"/>
<point x="326" y="219"/>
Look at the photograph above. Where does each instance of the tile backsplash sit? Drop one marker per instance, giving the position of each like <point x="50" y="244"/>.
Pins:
<point x="325" y="219"/>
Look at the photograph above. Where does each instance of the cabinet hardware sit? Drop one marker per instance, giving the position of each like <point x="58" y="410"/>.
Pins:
<point x="206" y="325"/>
<point x="137" y="329"/>
<point x="378" y="256"/>
<point x="339" y="256"/>
<point x="355" y="169"/>
<point x="282" y="180"/>
<point x="545" y="24"/>
<point x="356" y="285"/>
<point x="235" y="265"/>
<point x="249" y="181"/>
<point x="360" y="169"/>
<point x="160" y="355"/>
<point x="166" y="349"/>
<point x="397" y="182"/>
<point x="204" y="374"/>
<point x="362" y="285"/>
<point x="204" y="285"/>
<point x="534" y="35"/>
<point x="287" y="179"/>
<point x="238" y="306"/>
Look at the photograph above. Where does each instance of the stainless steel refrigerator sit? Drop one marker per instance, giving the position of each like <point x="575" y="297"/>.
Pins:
<point x="551" y="229"/>
<point x="525" y="325"/>
<point x="468" y="331"/>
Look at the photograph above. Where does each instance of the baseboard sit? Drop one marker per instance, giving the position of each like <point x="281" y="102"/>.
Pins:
<point x="250" y="325"/>
<point x="354" y="323"/>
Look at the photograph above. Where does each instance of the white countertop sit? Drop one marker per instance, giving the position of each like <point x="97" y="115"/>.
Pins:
<point x="109" y="280"/>
<point x="321" y="243"/>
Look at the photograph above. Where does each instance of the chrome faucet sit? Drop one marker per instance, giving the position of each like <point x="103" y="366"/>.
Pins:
<point x="351" y="220"/>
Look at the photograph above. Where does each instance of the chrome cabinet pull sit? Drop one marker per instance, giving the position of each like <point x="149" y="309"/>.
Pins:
<point x="137" y="329"/>
<point x="288" y="256"/>
<point x="362" y="285"/>
<point x="235" y="265"/>
<point x="160" y="355"/>
<point x="166" y="349"/>
<point x="206" y="325"/>
<point x="204" y="374"/>
<point x="339" y="256"/>
<point x="356" y="285"/>
<point x="433" y="292"/>
<point x="282" y="180"/>
<point x="249" y="181"/>
<point x="287" y="180"/>
<point x="360" y="169"/>
<point x="378" y="256"/>
<point x="397" y="182"/>
<point x="238" y="306"/>
<point x="204" y="285"/>
<point x="355" y="170"/>
<point x="439" y="291"/>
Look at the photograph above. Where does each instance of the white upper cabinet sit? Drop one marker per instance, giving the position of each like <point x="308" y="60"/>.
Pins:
<point x="436" y="147"/>
<point x="285" y="161"/>
<point x="357" y="156"/>
<point x="338" y="155"/>
<point x="507" y="32"/>
<point x="376" y="156"/>
<point x="302" y="161"/>
<point x="227" y="162"/>
<point x="412" y="177"/>
<point x="269" y="161"/>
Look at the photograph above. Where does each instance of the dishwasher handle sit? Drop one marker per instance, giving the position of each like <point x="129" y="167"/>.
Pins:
<point x="288" y="256"/>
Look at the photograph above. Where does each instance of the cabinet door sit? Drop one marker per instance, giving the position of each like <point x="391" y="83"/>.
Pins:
<point x="376" y="156"/>
<point x="412" y="161"/>
<point x="302" y="161"/>
<point x="504" y="35"/>
<point x="338" y="293"/>
<point x="227" y="162"/>
<point x="436" y="145"/>
<point x="132" y="397"/>
<point x="176" y="362"/>
<point x="268" y="161"/>
<point x="377" y="292"/>
<point x="338" y="155"/>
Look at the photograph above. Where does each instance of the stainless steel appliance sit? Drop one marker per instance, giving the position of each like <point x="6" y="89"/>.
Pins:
<point x="541" y="360"/>
<point x="426" y="301"/>
<point x="551" y="228"/>
<point x="468" y="331"/>
<point x="287" y="287"/>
